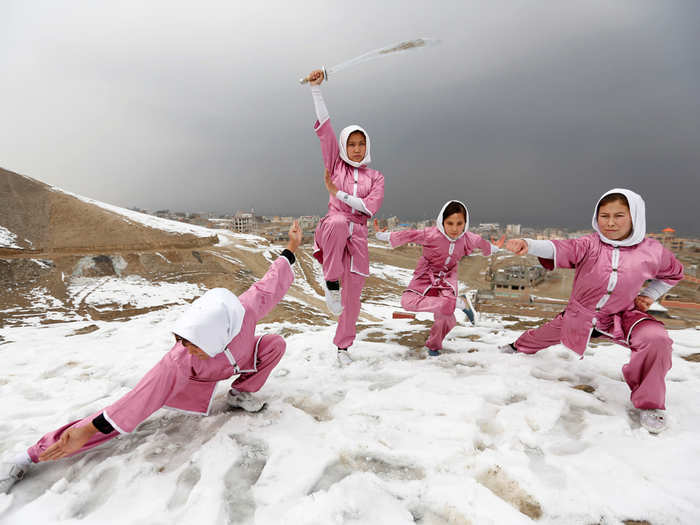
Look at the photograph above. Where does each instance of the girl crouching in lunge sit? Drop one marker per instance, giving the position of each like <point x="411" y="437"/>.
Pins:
<point x="607" y="299"/>
<point x="340" y="243"/>
<point x="434" y="285"/>
<point x="214" y="340"/>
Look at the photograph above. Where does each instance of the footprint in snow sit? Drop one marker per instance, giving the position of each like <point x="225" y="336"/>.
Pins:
<point x="347" y="464"/>
<point x="241" y="477"/>
<point x="186" y="481"/>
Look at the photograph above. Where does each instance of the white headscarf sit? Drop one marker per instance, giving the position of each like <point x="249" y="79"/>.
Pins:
<point x="440" y="220"/>
<point x="637" y="213"/>
<point x="211" y="321"/>
<point x="343" y="144"/>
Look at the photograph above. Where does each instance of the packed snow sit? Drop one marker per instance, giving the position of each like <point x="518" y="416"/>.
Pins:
<point x="473" y="436"/>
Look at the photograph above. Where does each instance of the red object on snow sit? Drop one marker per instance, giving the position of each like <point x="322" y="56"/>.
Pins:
<point x="403" y="315"/>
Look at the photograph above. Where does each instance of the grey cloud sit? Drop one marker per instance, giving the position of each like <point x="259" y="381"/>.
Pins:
<point x="527" y="111"/>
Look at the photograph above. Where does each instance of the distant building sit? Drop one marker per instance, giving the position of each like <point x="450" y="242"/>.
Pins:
<point x="309" y="222"/>
<point x="518" y="277"/>
<point x="513" y="230"/>
<point x="242" y="222"/>
<point x="222" y="223"/>
<point x="668" y="238"/>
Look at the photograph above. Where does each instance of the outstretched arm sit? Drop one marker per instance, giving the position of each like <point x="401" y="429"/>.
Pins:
<point x="487" y="248"/>
<point x="406" y="236"/>
<point x="322" y="127"/>
<point x="543" y="249"/>
<point x="72" y="440"/>
<point x="264" y="294"/>
<point x="315" y="79"/>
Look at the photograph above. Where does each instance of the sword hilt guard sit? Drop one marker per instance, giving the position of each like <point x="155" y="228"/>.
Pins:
<point x="306" y="79"/>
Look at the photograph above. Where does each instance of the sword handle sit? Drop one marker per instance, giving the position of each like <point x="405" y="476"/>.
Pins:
<point x="304" y="80"/>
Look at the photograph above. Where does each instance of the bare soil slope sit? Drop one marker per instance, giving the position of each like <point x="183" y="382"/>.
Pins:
<point x="47" y="222"/>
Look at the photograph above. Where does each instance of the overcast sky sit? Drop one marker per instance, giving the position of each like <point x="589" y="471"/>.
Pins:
<point x="527" y="110"/>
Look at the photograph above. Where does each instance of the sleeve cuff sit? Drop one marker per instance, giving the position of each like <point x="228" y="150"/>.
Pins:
<point x="383" y="236"/>
<point x="289" y="256"/>
<point x="102" y="424"/>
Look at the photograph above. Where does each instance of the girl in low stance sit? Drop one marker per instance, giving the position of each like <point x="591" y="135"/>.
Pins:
<point x="434" y="284"/>
<point x="609" y="298"/>
<point x="214" y="340"/>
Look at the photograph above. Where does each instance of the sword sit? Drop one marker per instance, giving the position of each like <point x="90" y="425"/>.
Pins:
<point x="371" y="55"/>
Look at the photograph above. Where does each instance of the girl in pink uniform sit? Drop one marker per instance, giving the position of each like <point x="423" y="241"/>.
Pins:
<point x="434" y="284"/>
<point x="356" y="194"/>
<point x="215" y="339"/>
<point x="609" y="298"/>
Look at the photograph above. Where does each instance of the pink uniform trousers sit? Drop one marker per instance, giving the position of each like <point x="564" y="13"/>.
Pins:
<point x="179" y="380"/>
<point x="332" y="237"/>
<point x="441" y="303"/>
<point x="337" y="263"/>
<point x="645" y="373"/>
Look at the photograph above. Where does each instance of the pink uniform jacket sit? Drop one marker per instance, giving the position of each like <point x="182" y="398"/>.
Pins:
<point x="194" y="383"/>
<point x="362" y="182"/>
<point x="437" y="267"/>
<point x="606" y="282"/>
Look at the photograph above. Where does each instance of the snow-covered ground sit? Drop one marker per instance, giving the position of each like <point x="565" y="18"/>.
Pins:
<point x="474" y="436"/>
<point x="7" y="238"/>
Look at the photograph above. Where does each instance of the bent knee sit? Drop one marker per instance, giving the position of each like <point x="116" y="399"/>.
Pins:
<point x="408" y="300"/>
<point x="651" y="335"/>
<point x="336" y="222"/>
<point x="276" y="342"/>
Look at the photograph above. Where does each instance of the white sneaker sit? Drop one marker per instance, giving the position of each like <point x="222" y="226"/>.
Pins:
<point x="344" y="358"/>
<point x="507" y="349"/>
<point x="334" y="301"/>
<point x="244" y="400"/>
<point x="653" y="420"/>
<point x="11" y="473"/>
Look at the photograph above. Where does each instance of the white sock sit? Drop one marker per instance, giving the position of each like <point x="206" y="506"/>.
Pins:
<point x="22" y="459"/>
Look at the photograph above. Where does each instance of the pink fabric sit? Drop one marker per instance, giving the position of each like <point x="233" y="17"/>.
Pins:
<point x="333" y="233"/>
<point x="593" y="260"/>
<point x="258" y="301"/>
<point x="370" y="188"/>
<point x="271" y="348"/>
<point x="649" y="362"/>
<point x="52" y="437"/>
<point x="441" y="303"/>
<point x="351" y="291"/>
<point x="185" y="382"/>
<point x="437" y="267"/>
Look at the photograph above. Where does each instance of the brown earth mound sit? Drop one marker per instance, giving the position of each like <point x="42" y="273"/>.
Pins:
<point x="60" y="238"/>
<point x="47" y="221"/>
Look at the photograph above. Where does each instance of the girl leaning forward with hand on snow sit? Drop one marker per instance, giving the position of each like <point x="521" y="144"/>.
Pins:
<point x="214" y="340"/>
<point x="608" y="300"/>
<point x="356" y="194"/>
<point x="434" y="284"/>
